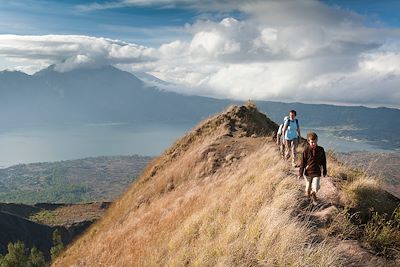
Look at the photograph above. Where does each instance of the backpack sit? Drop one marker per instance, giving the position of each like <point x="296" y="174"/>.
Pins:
<point x="280" y="129"/>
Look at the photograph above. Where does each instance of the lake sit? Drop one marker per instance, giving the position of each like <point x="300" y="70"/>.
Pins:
<point x="45" y="143"/>
<point x="340" y="144"/>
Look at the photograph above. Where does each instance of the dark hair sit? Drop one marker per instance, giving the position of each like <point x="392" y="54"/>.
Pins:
<point x="293" y="111"/>
<point x="312" y="136"/>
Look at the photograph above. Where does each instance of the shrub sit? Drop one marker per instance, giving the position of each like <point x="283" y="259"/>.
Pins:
<point x="58" y="245"/>
<point x="17" y="256"/>
<point x="365" y="194"/>
<point x="43" y="217"/>
<point x="36" y="258"/>
<point x="383" y="234"/>
<point x="342" y="226"/>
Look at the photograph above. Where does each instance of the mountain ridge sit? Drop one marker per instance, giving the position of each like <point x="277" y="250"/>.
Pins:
<point x="221" y="195"/>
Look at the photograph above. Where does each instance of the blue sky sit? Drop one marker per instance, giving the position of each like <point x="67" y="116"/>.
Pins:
<point x="384" y="12"/>
<point x="330" y="51"/>
<point x="149" y="25"/>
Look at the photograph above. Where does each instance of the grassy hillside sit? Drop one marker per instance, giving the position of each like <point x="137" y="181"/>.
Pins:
<point x="383" y="165"/>
<point x="71" y="181"/>
<point x="222" y="196"/>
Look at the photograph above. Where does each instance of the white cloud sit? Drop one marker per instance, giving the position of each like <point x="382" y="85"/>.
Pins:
<point x="212" y="45"/>
<point x="312" y="53"/>
<point x="174" y="49"/>
<point x="282" y="50"/>
<point x="381" y="63"/>
<point x="374" y="82"/>
<point x="70" y="51"/>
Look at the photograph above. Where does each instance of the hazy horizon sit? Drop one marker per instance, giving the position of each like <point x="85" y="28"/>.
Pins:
<point x="40" y="143"/>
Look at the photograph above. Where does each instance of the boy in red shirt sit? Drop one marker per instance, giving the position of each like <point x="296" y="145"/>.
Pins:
<point x="313" y="163"/>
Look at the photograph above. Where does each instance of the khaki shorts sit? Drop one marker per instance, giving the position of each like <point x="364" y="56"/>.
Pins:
<point x="313" y="182"/>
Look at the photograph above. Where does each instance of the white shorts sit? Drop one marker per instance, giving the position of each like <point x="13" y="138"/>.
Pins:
<point x="313" y="182"/>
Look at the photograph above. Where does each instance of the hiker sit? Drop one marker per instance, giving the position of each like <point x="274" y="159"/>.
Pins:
<point x="279" y="137"/>
<point x="291" y="133"/>
<point x="312" y="164"/>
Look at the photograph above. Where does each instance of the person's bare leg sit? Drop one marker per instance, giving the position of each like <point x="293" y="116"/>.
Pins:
<point x="294" y="152"/>
<point x="308" y="186"/>
<point x="287" y="150"/>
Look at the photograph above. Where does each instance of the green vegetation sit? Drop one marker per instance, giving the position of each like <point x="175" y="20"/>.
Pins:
<point x="62" y="193"/>
<point x="380" y="233"/>
<point x="43" y="217"/>
<point x="36" y="257"/>
<point x="19" y="256"/>
<point x="84" y="180"/>
<point x="383" y="234"/>
<point x="58" y="245"/>
<point x="342" y="226"/>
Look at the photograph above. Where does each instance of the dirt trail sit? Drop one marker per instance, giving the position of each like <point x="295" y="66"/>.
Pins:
<point x="321" y="215"/>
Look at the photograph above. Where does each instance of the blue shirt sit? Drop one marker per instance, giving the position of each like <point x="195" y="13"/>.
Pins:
<point x="291" y="131"/>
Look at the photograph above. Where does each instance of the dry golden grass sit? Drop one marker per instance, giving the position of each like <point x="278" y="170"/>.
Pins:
<point x="198" y="208"/>
<point x="361" y="191"/>
<point x="240" y="216"/>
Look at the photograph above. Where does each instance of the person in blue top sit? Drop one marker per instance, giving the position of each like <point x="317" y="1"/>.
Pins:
<point x="291" y="133"/>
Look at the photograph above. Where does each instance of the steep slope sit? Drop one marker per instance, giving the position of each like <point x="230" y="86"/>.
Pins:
<point x="221" y="195"/>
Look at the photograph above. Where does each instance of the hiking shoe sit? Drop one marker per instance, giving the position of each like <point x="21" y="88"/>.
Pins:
<point x="314" y="198"/>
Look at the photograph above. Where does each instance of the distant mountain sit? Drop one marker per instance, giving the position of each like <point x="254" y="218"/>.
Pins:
<point x="107" y="94"/>
<point x="94" y="95"/>
<point x="150" y="79"/>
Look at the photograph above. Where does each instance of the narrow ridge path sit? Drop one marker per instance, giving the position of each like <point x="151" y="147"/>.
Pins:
<point x="320" y="216"/>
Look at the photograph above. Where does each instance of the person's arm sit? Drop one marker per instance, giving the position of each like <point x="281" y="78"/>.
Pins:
<point x="279" y="134"/>
<point x="303" y="163"/>
<point x="298" y="132"/>
<point x="284" y="133"/>
<point x="324" y="170"/>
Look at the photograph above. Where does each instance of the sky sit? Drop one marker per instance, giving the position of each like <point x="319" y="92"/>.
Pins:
<point x="332" y="51"/>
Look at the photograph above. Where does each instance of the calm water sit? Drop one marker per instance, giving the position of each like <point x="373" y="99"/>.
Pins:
<point x="338" y="144"/>
<point x="40" y="144"/>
